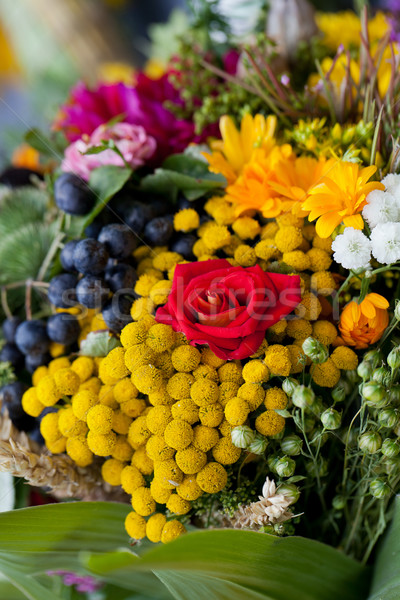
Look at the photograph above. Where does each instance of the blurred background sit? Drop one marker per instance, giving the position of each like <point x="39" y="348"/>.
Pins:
<point x="47" y="45"/>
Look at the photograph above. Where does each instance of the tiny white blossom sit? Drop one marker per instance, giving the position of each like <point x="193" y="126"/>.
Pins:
<point x="352" y="249"/>
<point x="381" y="207"/>
<point x="385" y="239"/>
<point x="392" y="184"/>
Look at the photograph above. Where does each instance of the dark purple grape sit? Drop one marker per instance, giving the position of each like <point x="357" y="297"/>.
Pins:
<point x="61" y="290"/>
<point x="120" y="277"/>
<point x="10" y="327"/>
<point x="63" y="328"/>
<point x="92" y="291"/>
<point x="73" y="195"/>
<point x="33" y="360"/>
<point x="31" y="336"/>
<point x="159" y="231"/>
<point x="116" y="313"/>
<point x="67" y="255"/>
<point x="90" y="257"/>
<point x="184" y="245"/>
<point x="10" y="353"/>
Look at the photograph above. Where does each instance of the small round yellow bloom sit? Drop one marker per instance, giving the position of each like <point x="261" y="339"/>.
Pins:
<point x="225" y="453"/>
<point x="131" y="479"/>
<point x="31" y="403"/>
<point x="138" y="355"/>
<point x="269" y="423"/>
<point x="345" y="358"/>
<point x="77" y="448"/>
<point x="121" y="422"/>
<point x="246" y="228"/>
<point x="67" y="381"/>
<point x="177" y="505"/>
<point x="266" y="249"/>
<point x="205" y="372"/>
<point x="160" y="291"/>
<point x="327" y="374"/>
<point x="212" y="478"/>
<point x="82" y="402"/>
<point x="69" y="424"/>
<point x="160" y="337"/>
<point x="319" y="259"/>
<point x="186" y="220"/>
<point x="277" y="359"/>
<point x="122" y="450"/>
<point x="167" y="473"/>
<point x="325" y="332"/>
<point x="236" y="411"/>
<point x="323" y="283"/>
<point x="225" y="428"/>
<point x="47" y="391"/>
<point x="275" y="398"/>
<point x="297" y="259"/>
<point x="158" y="418"/>
<point x="143" y="502"/>
<point x="154" y="527"/>
<point x="288" y="238"/>
<point x="191" y="460"/>
<point x="147" y="379"/>
<point x="231" y="371"/>
<point x="211" y="415"/>
<point x="133" y="408"/>
<point x="171" y="531"/>
<point x="164" y="363"/>
<point x="204" y="392"/>
<point x="124" y="390"/>
<point x="160" y="493"/>
<point x="186" y="410"/>
<point x="93" y="384"/>
<point x="161" y="396"/>
<point x="101" y="445"/>
<point x="138" y="433"/>
<point x="297" y="358"/>
<point x="58" y="446"/>
<point x="100" y="418"/>
<point x="158" y="449"/>
<point x="189" y="488"/>
<point x="216" y="236"/>
<point x="143" y="462"/>
<point x="142" y="307"/>
<point x="58" y="363"/>
<point x="166" y="260"/>
<point x="298" y="329"/>
<point x="309" y="307"/>
<point x="39" y="373"/>
<point x="135" y="526"/>
<point x="111" y="471"/>
<point x="227" y="390"/>
<point x="245" y="256"/>
<point x="133" y="333"/>
<point x="178" y="434"/>
<point x="83" y="366"/>
<point x="322" y="243"/>
<point x="49" y="427"/>
<point x="179" y="385"/>
<point x="185" y="358"/>
<point x="205" y="438"/>
<point x="255" y="371"/>
<point x="253" y="393"/>
<point x="209" y="358"/>
<point x="146" y="282"/>
<point x="113" y="365"/>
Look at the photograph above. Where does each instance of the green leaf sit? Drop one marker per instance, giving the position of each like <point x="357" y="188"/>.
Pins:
<point x="242" y="564"/>
<point x="8" y="591"/>
<point x="21" y="206"/>
<point x="42" y="143"/>
<point x="26" y="584"/>
<point x="98" y="343"/>
<point x="386" y="574"/>
<point x="106" y="181"/>
<point x="184" y="173"/>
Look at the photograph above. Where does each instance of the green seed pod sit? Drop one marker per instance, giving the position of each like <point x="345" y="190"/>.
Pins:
<point x="397" y="311"/>
<point x="394" y="393"/>
<point x="292" y="444"/>
<point x="375" y="357"/>
<point x="290" y="491"/>
<point x="289" y="385"/>
<point x="320" y="470"/>
<point x="258" y="445"/>
<point x="285" y="466"/>
<point x="315" y="350"/>
<point x="318" y="437"/>
<point x="374" y="394"/>
<point x="339" y="502"/>
<point x="390" y="448"/>
<point x="242" y="436"/>
<point x="382" y="375"/>
<point x="303" y="396"/>
<point x="389" y="417"/>
<point x="392" y="465"/>
<point x="365" y="370"/>
<point x="379" y="488"/>
<point x="370" y="442"/>
<point x="339" y="392"/>
<point x="351" y="376"/>
<point x="271" y="462"/>
<point x="393" y="358"/>
<point x="331" y="419"/>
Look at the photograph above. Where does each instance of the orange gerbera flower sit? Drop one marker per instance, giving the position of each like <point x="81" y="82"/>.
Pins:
<point x="340" y="197"/>
<point x="363" y="324"/>
<point x="295" y="178"/>
<point x="253" y="189"/>
<point x="237" y="148"/>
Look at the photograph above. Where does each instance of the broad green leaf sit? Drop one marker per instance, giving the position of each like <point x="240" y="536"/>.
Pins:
<point x="42" y="143"/>
<point x="105" y="181"/>
<point x="98" y="343"/>
<point x="386" y="574"/>
<point x="26" y="584"/>
<point x="9" y="591"/>
<point x="243" y="564"/>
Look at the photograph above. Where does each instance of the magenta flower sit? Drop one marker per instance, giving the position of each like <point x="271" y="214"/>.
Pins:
<point x="132" y="141"/>
<point x="82" y="583"/>
<point x="140" y="105"/>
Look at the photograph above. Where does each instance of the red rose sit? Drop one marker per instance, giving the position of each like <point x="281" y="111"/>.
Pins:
<point x="228" y="308"/>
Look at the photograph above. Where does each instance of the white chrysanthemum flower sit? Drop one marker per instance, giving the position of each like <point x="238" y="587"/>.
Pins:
<point x="381" y="207"/>
<point x="385" y="239"/>
<point x="352" y="249"/>
<point x="392" y="184"/>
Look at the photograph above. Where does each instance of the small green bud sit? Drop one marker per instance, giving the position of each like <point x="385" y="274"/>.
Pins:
<point x="389" y="417"/>
<point x="258" y="445"/>
<point x="303" y="396"/>
<point x="375" y="394"/>
<point x="370" y="442"/>
<point x="285" y="466"/>
<point x="289" y="385"/>
<point x="392" y="465"/>
<point x="379" y="488"/>
<point x="318" y="437"/>
<point x="382" y="375"/>
<point x="364" y="370"/>
<point x="315" y="350"/>
<point x="394" y="393"/>
<point x="375" y="357"/>
<point x="292" y="444"/>
<point x="271" y="462"/>
<point x="290" y="491"/>
<point x="308" y="422"/>
<point x="390" y="448"/>
<point x="339" y="392"/>
<point x="351" y="376"/>
<point x="242" y="436"/>
<point x="339" y="502"/>
<point x="320" y="470"/>
<point x="331" y="419"/>
<point x="397" y="310"/>
<point x="393" y="358"/>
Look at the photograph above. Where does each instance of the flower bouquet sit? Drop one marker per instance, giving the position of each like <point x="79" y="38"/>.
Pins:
<point x="199" y="285"/>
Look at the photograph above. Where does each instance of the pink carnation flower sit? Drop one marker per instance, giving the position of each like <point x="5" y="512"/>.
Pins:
<point x="135" y="145"/>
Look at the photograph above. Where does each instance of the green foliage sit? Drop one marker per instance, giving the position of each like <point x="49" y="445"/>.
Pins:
<point x="98" y="343"/>
<point x="7" y="374"/>
<point x="183" y="173"/>
<point x="386" y="575"/>
<point x="21" y="206"/>
<point x="50" y="147"/>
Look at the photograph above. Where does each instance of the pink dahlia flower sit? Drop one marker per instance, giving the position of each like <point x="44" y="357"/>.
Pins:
<point x="140" y="105"/>
<point x="135" y="145"/>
